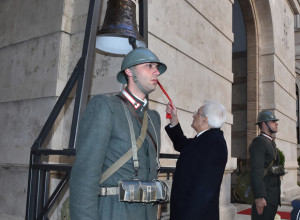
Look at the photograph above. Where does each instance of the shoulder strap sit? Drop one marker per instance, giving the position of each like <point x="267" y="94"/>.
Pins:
<point x="138" y="118"/>
<point x="136" y="145"/>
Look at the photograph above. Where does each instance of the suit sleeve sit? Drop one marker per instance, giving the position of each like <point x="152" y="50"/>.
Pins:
<point x="92" y="142"/>
<point x="177" y="137"/>
<point x="257" y="158"/>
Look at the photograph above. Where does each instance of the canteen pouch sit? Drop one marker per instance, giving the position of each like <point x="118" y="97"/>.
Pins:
<point x="129" y="191"/>
<point x="155" y="191"/>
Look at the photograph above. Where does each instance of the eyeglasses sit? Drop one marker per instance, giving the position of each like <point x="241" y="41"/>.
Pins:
<point x="197" y="113"/>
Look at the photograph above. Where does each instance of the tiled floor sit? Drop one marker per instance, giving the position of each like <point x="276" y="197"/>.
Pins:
<point x="241" y="207"/>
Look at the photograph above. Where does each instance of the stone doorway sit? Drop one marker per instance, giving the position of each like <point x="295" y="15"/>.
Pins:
<point x="245" y="84"/>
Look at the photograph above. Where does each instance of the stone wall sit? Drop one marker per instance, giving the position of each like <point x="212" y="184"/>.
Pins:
<point x="38" y="51"/>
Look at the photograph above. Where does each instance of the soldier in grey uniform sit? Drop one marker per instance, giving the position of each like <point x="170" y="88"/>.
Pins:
<point x="104" y="137"/>
<point x="264" y="155"/>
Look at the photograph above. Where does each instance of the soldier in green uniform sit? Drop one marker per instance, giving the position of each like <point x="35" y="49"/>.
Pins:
<point x="104" y="137"/>
<point x="264" y="155"/>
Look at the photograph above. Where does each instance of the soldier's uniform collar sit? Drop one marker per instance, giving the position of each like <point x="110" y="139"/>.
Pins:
<point x="267" y="136"/>
<point x="136" y="103"/>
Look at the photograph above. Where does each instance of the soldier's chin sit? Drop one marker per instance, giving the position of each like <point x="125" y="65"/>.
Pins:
<point x="150" y="90"/>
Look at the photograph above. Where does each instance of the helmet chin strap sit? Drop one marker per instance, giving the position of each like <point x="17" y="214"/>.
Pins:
<point x="137" y="82"/>
<point x="272" y="132"/>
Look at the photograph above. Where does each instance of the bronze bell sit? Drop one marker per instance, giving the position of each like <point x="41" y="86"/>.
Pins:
<point x="119" y="25"/>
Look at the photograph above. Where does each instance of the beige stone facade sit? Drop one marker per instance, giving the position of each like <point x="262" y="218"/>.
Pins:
<point x="41" y="42"/>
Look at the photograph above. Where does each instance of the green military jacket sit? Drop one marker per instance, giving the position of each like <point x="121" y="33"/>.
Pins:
<point x="263" y="152"/>
<point x="103" y="138"/>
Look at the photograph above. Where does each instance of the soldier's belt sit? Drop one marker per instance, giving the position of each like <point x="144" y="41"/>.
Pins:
<point x="108" y="191"/>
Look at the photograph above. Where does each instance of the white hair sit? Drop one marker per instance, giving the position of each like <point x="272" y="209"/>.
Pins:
<point x="215" y="113"/>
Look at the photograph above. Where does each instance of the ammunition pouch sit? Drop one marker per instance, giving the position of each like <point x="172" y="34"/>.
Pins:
<point x="277" y="170"/>
<point x="155" y="191"/>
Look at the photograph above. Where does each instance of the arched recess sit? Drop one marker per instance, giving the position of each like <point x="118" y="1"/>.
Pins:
<point x="257" y="16"/>
<point x="245" y="71"/>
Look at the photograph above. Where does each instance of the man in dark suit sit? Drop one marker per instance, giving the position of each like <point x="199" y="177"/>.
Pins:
<point x="200" y="166"/>
<point x="263" y="155"/>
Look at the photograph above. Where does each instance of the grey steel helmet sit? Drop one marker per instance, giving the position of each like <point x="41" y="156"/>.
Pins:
<point x="265" y="115"/>
<point x="138" y="56"/>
